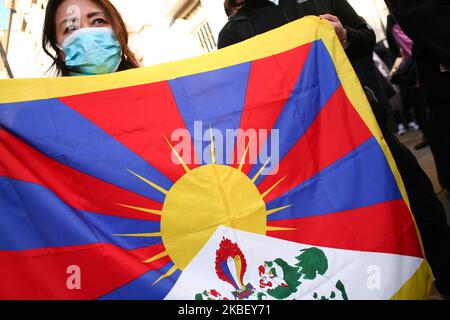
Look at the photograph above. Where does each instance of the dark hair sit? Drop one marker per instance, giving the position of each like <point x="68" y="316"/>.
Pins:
<point x="229" y="5"/>
<point x="129" y="61"/>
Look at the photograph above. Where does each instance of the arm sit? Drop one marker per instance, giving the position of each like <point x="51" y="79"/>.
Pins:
<point x="359" y="35"/>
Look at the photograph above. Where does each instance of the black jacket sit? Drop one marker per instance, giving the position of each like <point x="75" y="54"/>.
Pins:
<point x="361" y="37"/>
<point x="262" y="16"/>
<point x="255" y="17"/>
<point x="427" y="23"/>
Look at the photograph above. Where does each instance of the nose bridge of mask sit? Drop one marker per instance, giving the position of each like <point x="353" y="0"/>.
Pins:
<point x="87" y="34"/>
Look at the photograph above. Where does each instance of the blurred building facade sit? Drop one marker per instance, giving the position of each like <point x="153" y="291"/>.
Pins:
<point x="24" y="53"/>
<point x="169" y="30"/>
<point x="160" y="30"/>
<point x="4" y="24"/>
<point x="375" y="12"/>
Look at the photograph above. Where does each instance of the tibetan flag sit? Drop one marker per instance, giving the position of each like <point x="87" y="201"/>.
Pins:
<point x="254" y="172"/>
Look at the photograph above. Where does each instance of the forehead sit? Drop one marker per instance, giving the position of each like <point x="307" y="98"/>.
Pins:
<point x="76" y="8"/>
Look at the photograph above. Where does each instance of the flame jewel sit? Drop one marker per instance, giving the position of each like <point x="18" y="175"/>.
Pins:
<point x="229" y="255"/>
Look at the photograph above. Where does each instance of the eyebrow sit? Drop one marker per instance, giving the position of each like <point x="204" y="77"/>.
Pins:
<point x="96" y="13"/>
<point x="90" y="15"/>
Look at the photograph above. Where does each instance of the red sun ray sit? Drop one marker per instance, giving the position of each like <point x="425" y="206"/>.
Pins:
<point x="270" y="85"/>
<point x="148" y="252"/>
<point x="385" y="228"/>
<point x="154" y="117"/>
<point x="337" y="130"/>
<point x="77" y="189"/>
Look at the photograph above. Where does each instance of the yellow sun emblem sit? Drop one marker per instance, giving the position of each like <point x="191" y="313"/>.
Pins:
<point x="203" y="199"/>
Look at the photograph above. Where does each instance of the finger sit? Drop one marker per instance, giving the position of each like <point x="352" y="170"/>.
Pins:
<point x="329" y="17"/>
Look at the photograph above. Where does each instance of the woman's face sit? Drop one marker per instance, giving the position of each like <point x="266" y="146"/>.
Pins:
<point x="75" y="14"/>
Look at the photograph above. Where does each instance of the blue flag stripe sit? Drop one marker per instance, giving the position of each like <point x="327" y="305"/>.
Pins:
<point x="142" y="289"/>
<point x="334" y="188"/>
<point x="216" y="99"/>
<point x="33" y="217"/>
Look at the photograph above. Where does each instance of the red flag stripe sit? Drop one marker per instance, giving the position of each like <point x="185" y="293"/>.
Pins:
<point x="77" y="189"/>
<point x="337" y="130"/>
<point x="385" y="227"/>
<point x="42" y="274"/>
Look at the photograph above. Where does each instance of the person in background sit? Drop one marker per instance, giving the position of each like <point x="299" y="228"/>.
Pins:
<point x="358" y="40"/>
<point x="88" y="37"/>
<point x="249" y="18"/>
<point x="392" y="91"/>
<point x="400" y="43"/>
<point x="434" y="134"/>
<point x="427" y="23"/>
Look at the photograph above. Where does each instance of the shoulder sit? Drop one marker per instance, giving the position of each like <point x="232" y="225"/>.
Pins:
<point x="233" y="24"/>
<point x="231" y="32"/>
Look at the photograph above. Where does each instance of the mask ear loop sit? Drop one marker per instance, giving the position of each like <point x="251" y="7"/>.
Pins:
<point x="58" y="56"/>
<point x="122" y="58"/>
<point x="60" y="49"/>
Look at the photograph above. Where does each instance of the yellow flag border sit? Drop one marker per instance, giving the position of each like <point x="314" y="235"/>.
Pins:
<point x="268" y="44"/>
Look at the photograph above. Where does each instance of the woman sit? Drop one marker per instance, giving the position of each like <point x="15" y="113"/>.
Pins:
<point x="88" y="37"/>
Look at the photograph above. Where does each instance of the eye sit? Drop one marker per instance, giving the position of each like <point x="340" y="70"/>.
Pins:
<point x="70" y="29"/>
<point x="99" y="22"/>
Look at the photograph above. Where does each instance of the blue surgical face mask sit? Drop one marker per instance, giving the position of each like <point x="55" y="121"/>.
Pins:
<point x="91" y="51"/>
